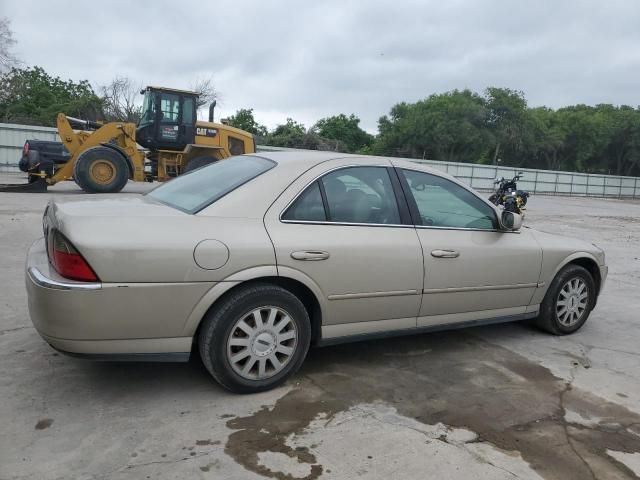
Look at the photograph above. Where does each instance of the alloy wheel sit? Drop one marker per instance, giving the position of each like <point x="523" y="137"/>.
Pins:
<point x="572" y="302"/>
<point x="261" y="343"/>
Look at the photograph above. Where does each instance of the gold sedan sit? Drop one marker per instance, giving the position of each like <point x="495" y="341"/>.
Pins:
<point x="254" y="259"/>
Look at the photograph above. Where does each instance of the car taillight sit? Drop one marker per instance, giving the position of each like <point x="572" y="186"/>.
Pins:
<point x="66" y="260"/>
<point x="25" y="149"/>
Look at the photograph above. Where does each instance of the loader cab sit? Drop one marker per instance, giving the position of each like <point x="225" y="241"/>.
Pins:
<point x="168" y="119"/>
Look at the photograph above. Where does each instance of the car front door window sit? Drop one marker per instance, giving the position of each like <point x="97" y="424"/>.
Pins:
<point x="443" y="203"/>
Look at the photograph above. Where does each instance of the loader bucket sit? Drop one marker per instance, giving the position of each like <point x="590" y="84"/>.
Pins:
<point x="38" y="186"/>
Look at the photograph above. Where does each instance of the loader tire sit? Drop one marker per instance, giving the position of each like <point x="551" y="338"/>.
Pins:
<point x="101" y="170"/>
<point x="198" y="162"/>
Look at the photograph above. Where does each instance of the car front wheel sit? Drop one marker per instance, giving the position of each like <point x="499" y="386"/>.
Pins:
<point x="568" y="302"/>
<point x="255" y="339"/>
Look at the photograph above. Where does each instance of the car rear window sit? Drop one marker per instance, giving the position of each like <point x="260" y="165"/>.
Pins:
<point x="193" y="191"/>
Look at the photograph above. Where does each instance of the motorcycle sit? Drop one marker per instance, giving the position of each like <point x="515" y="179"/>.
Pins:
<point x="508" y="196"/>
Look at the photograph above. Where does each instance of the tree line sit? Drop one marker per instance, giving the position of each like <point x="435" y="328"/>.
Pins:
<point x="494" y="127"/>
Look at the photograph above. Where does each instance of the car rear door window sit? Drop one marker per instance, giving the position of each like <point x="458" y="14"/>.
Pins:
<point x="307" y="207"/>
<point x="443" y="203"/>
<point x="360" y="195"/>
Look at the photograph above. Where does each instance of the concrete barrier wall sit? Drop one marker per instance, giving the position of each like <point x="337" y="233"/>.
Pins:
<point x="480" y="177"/>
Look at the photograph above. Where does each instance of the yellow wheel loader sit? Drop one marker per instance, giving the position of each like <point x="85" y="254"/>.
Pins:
<point x="102" y="157"/>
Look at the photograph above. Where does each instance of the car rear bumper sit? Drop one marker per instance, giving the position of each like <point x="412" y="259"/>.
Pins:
<point x="101" y="320"/>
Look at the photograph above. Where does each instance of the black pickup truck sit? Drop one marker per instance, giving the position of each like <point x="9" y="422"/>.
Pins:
<point x="41" y="156"/>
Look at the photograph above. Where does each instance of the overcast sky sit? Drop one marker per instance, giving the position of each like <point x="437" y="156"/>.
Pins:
<point x="307" y="60"/>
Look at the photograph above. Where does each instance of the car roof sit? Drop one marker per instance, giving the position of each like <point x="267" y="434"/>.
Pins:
<point x="309" y="157"/>
<point x="305" y="159"/>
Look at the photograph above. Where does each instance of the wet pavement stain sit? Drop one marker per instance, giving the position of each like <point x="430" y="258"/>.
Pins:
<point x="268" y="429"/>
<point x="207" y="442"/>
<point x="43" y="423"/>
<point x="461" y="381"/>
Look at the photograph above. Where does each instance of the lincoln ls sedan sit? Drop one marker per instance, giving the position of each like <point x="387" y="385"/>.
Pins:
<point x="253" y="259"/>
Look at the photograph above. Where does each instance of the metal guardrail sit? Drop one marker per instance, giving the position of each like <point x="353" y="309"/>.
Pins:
<point x="480" y="177"/>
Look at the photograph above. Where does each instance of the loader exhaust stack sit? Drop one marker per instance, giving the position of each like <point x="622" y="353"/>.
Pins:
<point x="211" y="108"/>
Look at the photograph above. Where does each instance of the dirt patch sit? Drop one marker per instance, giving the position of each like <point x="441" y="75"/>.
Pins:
<point x="459" y="380"/>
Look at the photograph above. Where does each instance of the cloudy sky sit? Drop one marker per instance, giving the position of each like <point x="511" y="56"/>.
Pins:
<point x="307" y="60"/>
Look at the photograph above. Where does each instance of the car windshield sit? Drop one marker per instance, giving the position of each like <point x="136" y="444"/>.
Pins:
<point x="199" y="188"/>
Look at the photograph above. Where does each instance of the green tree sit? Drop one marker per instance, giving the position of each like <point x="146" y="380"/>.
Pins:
<point x="622" y="151"/>
<point x="244" y="120"/>
<point x="586" y="137"/>
<point x="344" y="130"/>
<point x="290" y="134"/>
<point x="449" y="126"/>
<point x="547" y="137"/>
<point x="32" y="96"/>
<point x="506" y="120"/>
<point x="293" y="134"/>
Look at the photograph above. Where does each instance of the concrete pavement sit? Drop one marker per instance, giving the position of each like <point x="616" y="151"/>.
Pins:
<point x="498" y="402"/>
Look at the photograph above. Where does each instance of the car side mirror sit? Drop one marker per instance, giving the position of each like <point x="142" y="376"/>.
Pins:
<point x="510" y="221"/>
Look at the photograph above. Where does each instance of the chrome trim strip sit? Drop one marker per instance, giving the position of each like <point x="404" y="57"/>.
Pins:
<point x="394" y="293"/>
<point x="39" y="279"/>
<point x="478" y="289"/>
<point x="394" y="225"/>
<point x="431" y="227"/>
<point x="347" y="224"/>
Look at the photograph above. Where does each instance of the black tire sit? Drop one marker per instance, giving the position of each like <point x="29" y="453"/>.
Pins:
<point x="199" y="162"/>
<point x="101" y="170"/>
<point x="221" y="321"/>
<point x="548" y="318"/>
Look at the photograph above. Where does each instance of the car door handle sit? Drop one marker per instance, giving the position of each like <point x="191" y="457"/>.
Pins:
<point x="445" y="253"/>
<point x="310" y="255"/>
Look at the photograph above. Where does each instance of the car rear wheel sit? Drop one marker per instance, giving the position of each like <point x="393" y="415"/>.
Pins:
<point x="568" y="302"/>
<point x="255" y="339"/>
